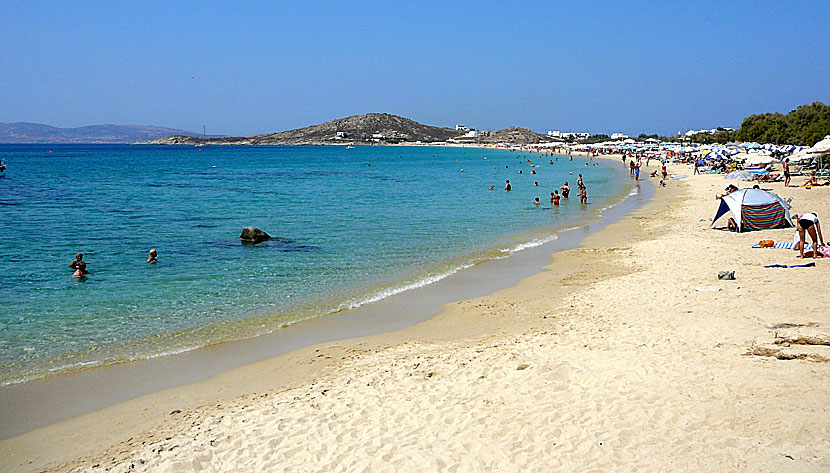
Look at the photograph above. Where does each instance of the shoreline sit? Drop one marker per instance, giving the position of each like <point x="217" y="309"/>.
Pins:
<point x="113" y="383"/>
<point x="385" y="332"/>
<point x="190" y="338"/>
<point x="612" y="357"/>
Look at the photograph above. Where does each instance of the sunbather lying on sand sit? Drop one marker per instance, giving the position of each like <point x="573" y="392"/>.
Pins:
<point x="769" y="177"/>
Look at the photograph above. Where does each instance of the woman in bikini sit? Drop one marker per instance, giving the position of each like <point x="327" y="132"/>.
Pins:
<point x="807" y="224"/>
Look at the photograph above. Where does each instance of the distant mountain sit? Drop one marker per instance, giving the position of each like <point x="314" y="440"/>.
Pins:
<point x="23" y="132"/>
<point x="514" y="135"/>
<point x="367" y="128"/>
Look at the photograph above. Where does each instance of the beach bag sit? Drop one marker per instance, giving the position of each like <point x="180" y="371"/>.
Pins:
<point x="766" y="243"/>
<point x="825" y="251"/>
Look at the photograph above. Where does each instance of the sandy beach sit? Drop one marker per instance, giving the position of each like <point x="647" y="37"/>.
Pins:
<point x="627" y="354"/>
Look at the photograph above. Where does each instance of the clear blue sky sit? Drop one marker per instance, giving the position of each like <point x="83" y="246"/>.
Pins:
<point x="255" y="67"/>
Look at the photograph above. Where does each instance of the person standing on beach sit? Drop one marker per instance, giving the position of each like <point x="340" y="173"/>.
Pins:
<point x="637" y="170"/>
<point x="697" y="166"/>
<point x="664" y="171"/>
<point x="808" y="224"/>
<point x="786" y="172"/>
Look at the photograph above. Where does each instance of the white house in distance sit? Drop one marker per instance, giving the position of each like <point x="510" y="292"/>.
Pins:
<point x="461" y="128"/>
<point x="566" y="135"/>
<point x="711" y="132"/>
<point x="618" y="136"/>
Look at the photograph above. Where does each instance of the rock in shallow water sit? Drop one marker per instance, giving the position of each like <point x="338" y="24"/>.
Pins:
<point x="253" y="235"/>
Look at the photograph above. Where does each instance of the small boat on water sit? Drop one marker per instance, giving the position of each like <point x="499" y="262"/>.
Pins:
<point x="350" y="147"/>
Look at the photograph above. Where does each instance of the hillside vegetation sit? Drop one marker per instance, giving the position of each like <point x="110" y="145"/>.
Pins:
<point x="806" y="125"/>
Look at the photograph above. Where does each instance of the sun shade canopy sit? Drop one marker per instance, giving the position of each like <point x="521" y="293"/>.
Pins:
<point x="755" y="209"/>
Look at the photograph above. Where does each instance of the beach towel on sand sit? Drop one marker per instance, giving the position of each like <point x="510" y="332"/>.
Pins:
<point x="787" y="245"/>
<point x="806" y="265"/>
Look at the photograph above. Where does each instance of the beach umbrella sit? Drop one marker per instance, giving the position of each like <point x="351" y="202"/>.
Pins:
<point x="800" y="156"/>
<point x="758" y="160"/>
<point x="822" y="146"/>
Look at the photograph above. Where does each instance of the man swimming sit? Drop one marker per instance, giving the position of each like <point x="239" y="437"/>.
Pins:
<point x="79" y="265"/>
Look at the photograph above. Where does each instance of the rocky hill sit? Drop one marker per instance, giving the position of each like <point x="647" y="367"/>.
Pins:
<point x="514" y="134"/>
<point x="23" y="132"/>
<point x="367" y="128"/>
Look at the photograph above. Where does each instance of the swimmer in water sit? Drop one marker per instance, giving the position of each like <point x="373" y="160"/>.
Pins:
<point x="536" y="201"/>
<point x="153" y="255"/>
<point x="507" y="186"/>
<point x="79" y="265"/>
<point x="81" y="271"/>
<point x="536" y="183"/>
<point x="554" y="198"/>
<point x="492" y="186"/>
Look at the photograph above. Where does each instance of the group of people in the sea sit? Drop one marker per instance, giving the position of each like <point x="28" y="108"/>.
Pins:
<point x="558" y="194"/>
<point x="79" y="265"/>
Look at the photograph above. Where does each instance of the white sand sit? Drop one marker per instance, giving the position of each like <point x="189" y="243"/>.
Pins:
<point x="632" y="370"/>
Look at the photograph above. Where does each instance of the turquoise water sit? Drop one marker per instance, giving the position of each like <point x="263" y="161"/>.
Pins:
<point x="350" y="226"/>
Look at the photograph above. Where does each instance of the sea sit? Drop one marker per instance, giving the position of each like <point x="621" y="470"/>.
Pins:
<point x="350" y="226"/>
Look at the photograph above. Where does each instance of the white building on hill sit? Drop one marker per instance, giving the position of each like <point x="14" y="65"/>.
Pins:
<point x="567" y="135"/>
